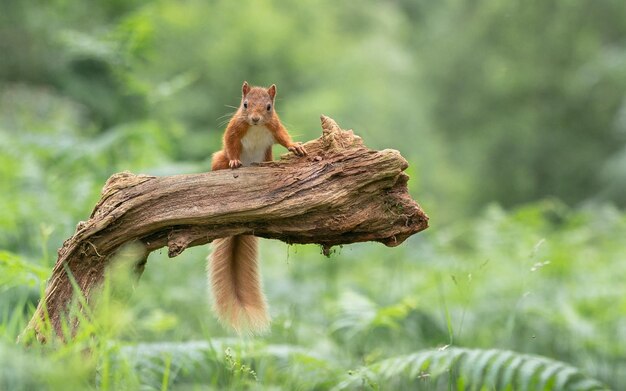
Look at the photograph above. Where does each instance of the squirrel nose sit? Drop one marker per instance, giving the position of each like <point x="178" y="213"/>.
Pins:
<point x="256" y="119"/>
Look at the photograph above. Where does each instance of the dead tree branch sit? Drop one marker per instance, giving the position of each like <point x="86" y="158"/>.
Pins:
<point x="341" y="193"/>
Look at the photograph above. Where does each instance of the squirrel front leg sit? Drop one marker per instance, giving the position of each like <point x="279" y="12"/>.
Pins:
<point x="232" y="142"/>
<point x="282" y="137"/>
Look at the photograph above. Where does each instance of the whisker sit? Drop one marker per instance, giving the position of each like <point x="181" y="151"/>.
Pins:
<point x="225" y="115"/>
<point x="224" y="121"/>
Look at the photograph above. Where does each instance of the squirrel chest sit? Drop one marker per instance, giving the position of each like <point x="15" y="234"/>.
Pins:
<point x="254" y="144"/>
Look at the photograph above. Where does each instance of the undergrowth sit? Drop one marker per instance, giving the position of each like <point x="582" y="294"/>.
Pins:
<point x="527" y="300"/>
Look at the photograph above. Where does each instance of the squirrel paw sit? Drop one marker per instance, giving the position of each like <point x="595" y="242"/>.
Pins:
<point x="234" y="163"/>
<point x="298" y="149"/>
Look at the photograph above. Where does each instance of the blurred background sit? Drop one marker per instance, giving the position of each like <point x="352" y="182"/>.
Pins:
<point x="512" y="116"/>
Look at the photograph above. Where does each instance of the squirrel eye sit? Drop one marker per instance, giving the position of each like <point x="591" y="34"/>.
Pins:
<point x="245" y="104"/>
<point x="269" y="107"/>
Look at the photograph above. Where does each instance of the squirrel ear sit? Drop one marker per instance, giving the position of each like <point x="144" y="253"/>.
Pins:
<point x="272" y="91"/>
<point x="245" y="88"/>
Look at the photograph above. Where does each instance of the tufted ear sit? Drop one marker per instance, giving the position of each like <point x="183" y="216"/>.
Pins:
<point x="272" y="91"/>
<point x="245" y="88"/>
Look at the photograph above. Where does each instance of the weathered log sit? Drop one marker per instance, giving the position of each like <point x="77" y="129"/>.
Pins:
<point x="341" y="193"/>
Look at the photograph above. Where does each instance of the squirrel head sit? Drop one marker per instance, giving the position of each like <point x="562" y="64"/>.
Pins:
<point x="257" y="103"/>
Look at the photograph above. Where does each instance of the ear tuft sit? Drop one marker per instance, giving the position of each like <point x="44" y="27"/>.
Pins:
<point x="272" y="91"/>
<point x="245" y="88"/>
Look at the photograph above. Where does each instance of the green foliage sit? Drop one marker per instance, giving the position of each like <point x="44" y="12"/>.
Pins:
<point x="511" y="115"/>
<point x="541" y="84"/>
<point x="519" y="281"/>
<point x="15" y="271"/>
<point x="520" y="100"/>
<point x="471" y="369"/>
<point x="53" y="166"/>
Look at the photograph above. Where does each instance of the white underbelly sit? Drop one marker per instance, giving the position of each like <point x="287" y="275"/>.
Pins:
<point x="255" y="143"/>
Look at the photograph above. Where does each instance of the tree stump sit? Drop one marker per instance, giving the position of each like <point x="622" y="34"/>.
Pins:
<point x="341" y="193"/>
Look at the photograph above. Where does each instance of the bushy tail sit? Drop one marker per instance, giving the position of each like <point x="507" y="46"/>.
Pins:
<point x="236" y="284"/>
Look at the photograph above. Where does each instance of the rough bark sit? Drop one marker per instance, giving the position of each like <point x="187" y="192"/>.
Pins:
<point x="341" y="193"/>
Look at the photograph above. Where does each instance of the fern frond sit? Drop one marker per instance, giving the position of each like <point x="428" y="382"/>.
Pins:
<point x="472" y="369"/>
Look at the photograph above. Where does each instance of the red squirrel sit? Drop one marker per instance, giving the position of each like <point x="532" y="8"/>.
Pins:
<point x="233" y="266"/>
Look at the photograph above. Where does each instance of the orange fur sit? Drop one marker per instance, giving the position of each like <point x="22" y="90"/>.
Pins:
<point x="280" y="133"/>
<point x="236" y="285"/>
<point x="234" y="271"/>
